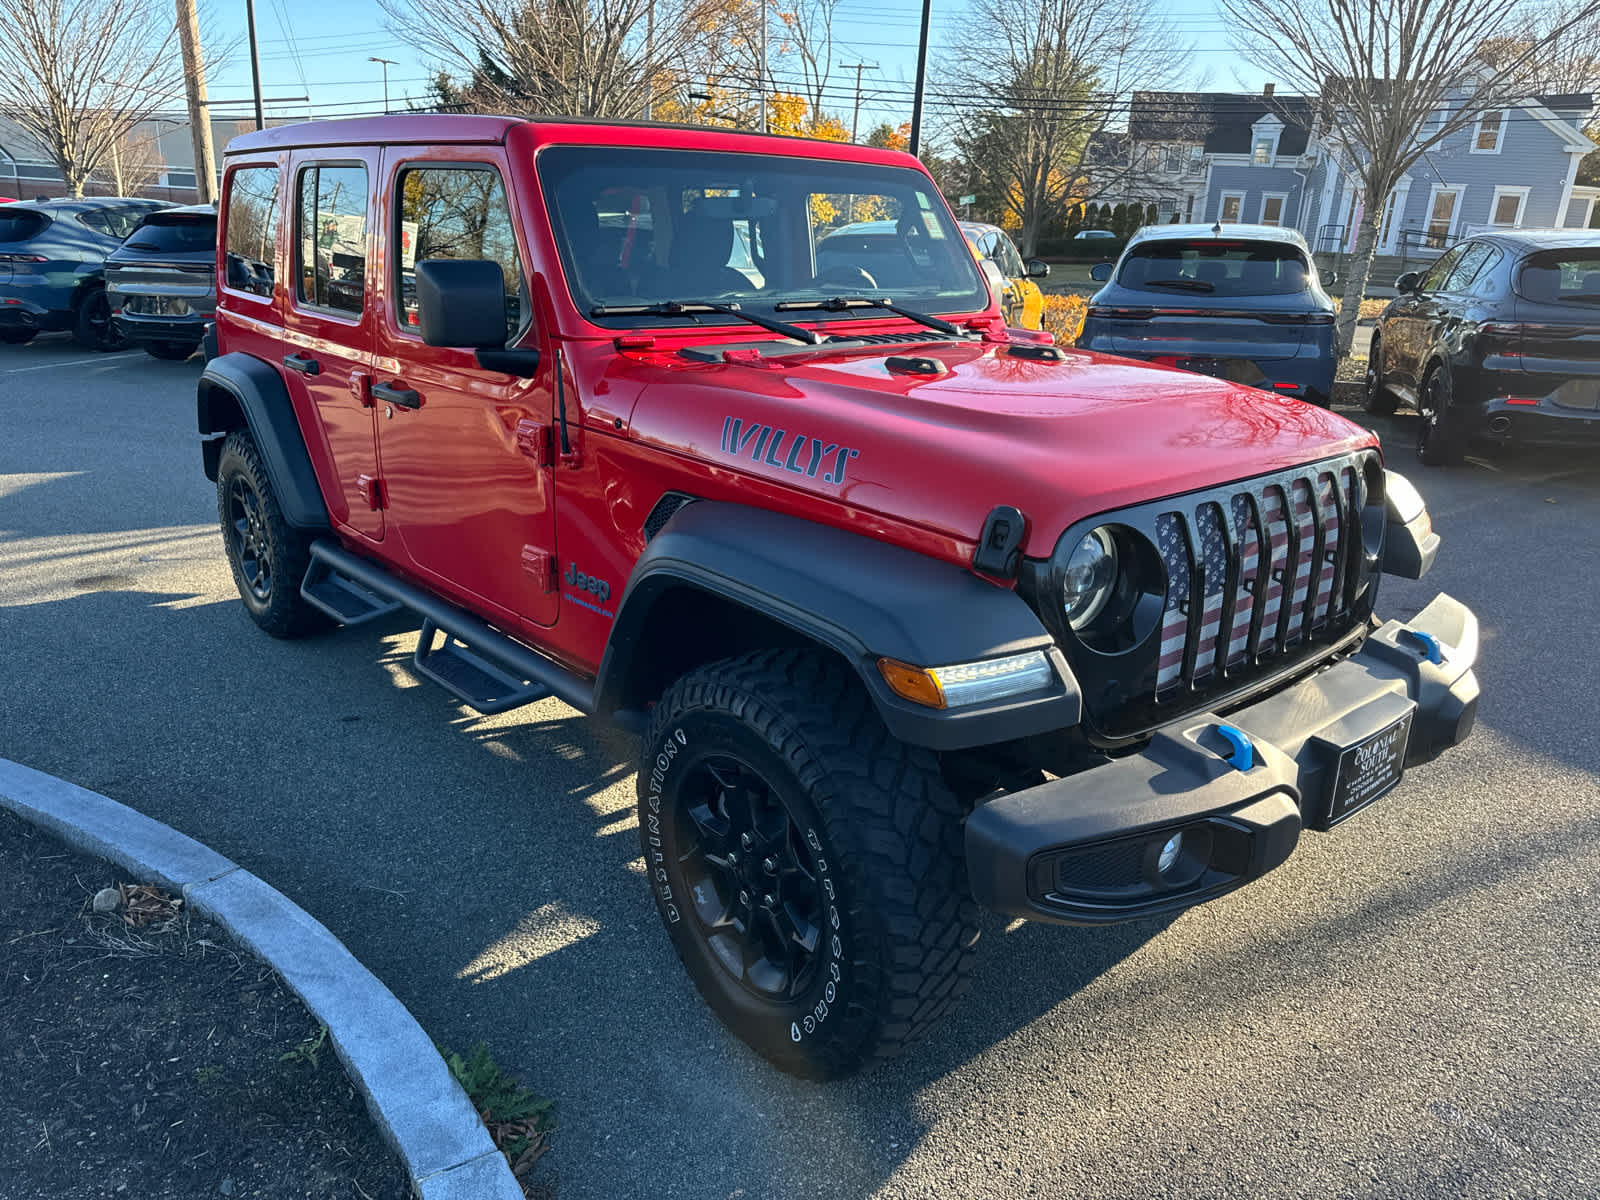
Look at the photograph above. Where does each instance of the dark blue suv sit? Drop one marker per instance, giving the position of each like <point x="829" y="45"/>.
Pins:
<point x="1241" y="302"/>
<point x="52" y="266"/>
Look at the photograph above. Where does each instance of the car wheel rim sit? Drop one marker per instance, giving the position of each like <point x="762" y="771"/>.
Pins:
<point x="250" y="543"/>
<point x="754" y="882"/>
<point x="100" y="318"/>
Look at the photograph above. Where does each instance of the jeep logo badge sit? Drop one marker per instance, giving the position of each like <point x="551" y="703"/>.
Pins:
<point x="598" y="588"/>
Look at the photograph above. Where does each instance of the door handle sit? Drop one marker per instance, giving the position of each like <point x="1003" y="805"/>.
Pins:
<point x="306" y="366"/>
<point x="391" y="394"/>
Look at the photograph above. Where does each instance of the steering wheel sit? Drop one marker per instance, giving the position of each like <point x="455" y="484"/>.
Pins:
<point x="844" y="275"/>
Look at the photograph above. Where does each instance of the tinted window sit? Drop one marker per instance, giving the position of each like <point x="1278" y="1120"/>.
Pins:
<point x="20" y="226"/>
<point x="1219" y="268"/>
<point x="456" y="212"/>
<point x="1010" y="260"/>
<point x="331" y="230"/>
<point x="180" y="235"/>
<point x="1472" y="261"/>
<point x="252" y="229"/>
<point x="1562" y="276"/>
<point x="1433" y="281"/>
<point x="115" y="222"/>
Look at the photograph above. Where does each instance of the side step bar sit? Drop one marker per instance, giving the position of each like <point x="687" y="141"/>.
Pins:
<point x="476" y="662"/>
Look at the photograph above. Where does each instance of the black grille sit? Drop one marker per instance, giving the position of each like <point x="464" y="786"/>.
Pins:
<point x="883" y="339"/>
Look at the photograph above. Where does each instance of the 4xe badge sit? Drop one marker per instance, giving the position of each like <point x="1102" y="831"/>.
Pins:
<point x="805" y="456"/>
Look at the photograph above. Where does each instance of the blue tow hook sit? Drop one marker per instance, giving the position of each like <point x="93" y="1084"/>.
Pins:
<point x="1431" y="650"/>
<point x="1244" y="752"/>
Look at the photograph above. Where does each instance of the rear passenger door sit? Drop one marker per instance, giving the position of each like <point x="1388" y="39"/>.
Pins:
<point x="1410" y="323"/>
<point x="328" y="325"/>
<point x="467" y="458"/>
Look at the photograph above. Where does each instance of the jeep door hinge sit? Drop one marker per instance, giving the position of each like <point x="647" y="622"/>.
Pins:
<point x="541" y="564"/>
<point x="536" y="440"/>
<point x="372" y="491"/>
<point x="361" y="388"/>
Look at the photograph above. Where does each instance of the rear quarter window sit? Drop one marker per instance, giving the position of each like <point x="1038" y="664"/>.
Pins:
<point x="252" y="230"/>
<point x="1223" y="267"/>
<point x="114" y="222"/>
<point x="20" y="226"/>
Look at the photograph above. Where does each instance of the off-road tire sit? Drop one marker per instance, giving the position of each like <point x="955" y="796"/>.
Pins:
<point x="91" y="323"/>
<point x="171" y="351"/>
<point x="900" y="927"/>
<point x="1441" y="442"/>
<point x="17" y="337"/>
<point x="255" y="535"/>
<point x="1375" y="397"/>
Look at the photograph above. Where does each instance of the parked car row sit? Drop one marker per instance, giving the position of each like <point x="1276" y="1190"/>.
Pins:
<point x="1498" y="340"/>
<point x="109" y="270"/>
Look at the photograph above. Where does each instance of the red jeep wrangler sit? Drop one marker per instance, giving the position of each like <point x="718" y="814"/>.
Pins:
<point x="916" y="614"/>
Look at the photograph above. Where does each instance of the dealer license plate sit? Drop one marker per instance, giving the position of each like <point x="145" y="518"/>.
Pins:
<point x="1369" y="769"/>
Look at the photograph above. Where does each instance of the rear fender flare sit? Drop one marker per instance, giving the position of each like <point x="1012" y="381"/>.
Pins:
<point x="855" y="596"/>
<point x="237" y="388"/>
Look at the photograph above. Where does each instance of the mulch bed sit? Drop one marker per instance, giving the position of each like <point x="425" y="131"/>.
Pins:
<point x="144" y="1056"/>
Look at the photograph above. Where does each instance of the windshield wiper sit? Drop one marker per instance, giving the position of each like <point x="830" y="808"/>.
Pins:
<point x="1192" y="285"/>
<point x="845" y="303"/>
<point x="688" y="308"/>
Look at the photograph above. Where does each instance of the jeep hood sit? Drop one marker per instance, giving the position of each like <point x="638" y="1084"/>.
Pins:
<point x="981" y="427"/>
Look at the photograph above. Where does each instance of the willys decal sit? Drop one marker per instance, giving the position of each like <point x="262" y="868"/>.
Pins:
<point x="800" y="454"/>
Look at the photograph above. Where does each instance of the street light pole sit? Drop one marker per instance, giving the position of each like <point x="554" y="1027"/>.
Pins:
<point x="255" y="59"/>
<point x="387" y="63"/>
<point x="922" y="79"/>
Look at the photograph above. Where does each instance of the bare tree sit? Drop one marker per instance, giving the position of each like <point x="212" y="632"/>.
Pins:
<point x="135" y="162"/>
<point x="1060" y="74"/>
<point x="589" y="58"/>
<point x="78" y="75"/>
<point x="808" y="43"/>
<point x="1566" y="62"/>
<point x="1385" y="69"/>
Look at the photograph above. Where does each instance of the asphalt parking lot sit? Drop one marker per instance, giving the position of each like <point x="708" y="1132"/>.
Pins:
<point x="1409" y="1007"/>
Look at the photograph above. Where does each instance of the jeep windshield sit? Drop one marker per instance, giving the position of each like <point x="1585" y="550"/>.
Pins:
<point x="652" y="231"/>
<point x="1220" y="267"/>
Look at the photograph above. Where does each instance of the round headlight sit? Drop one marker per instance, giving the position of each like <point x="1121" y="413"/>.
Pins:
<point x="1089" y="577"/>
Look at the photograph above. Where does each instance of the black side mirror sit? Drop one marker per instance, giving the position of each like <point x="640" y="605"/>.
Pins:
<point x="1100" y="272"/>
<point x="461" y="302"/>
<point x="1409" y="282"/>
<point x="1038" y="268"/>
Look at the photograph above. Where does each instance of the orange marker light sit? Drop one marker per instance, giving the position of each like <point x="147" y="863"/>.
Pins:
<point x="911" y="683"/>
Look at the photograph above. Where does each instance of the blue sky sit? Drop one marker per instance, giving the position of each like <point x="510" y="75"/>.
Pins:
<point x="320" y="48"/>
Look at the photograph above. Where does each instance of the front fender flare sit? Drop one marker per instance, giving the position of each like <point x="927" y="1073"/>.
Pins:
<point x="244" y="383"/>
<point x="861" y="598"/>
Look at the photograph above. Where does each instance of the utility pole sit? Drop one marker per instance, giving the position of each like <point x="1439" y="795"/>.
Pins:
<point x="194" y="86"/>
<point x="922" y="79"/>
<point x="650" y="60"/>
<point x="855" y="117"/>
<point x="255" y="58"/>
<point x="763" y="83"/>
<point x="387" y="63"/>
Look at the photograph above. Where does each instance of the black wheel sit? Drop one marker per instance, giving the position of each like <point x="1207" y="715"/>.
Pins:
<point x="93" y="329"/>
<point x="268" y="556"/>
<point x="809" y="867"/>
<point x="1375" y="398"/>
<point x="17" y="337"/>
<point x="171" y="351"/>
<point x="1440" y="440"/>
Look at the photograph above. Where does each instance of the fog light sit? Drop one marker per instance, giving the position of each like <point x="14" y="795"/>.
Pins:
<point x="1169" y="853"/>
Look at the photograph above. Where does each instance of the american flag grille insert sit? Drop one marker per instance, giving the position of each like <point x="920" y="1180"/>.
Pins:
<point x="1254" y="573"/>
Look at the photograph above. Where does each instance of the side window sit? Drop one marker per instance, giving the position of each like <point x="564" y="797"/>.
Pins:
<point x="331" y="233"/>
<point x="113" y="222"/>
<point x="1433" y="281"/>
<point x="1010" y="260"/>
<point x="252" y="230"/>
<point x="456" y="212"/>
<point x="1466" y="270"/>
<point x="1483" y="282"/>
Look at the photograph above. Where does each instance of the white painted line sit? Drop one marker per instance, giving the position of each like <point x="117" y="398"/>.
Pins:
<point x="73" y="362"/>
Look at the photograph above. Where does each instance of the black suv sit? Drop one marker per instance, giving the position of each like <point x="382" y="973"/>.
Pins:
<point x="162" y="281"/>
<point x="1499" y="339"/>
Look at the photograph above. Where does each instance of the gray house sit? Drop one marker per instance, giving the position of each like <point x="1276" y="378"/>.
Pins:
<point x="1514" y="167"/>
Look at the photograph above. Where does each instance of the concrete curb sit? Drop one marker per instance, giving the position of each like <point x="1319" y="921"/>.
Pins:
<point x="409" y="1091"/>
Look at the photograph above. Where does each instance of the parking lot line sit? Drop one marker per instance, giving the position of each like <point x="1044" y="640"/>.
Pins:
<point x="71" y="362"/>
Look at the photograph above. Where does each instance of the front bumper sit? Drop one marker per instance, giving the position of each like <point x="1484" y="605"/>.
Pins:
<point x="1088" y="849"/>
